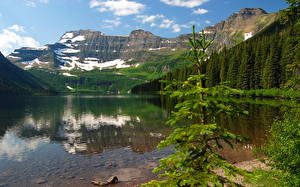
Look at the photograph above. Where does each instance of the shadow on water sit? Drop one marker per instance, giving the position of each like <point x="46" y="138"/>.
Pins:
<point x="255" y="125"/>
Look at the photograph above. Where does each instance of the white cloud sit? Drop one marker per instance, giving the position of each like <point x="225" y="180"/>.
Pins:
<point x="149" y="19"/>
<point x="17" y="28"/>
<point x="114" y="22"/>
<point x="118" y="7"/>
<point x="33" y="3"/>
<point x="184" y="3"/>
<point x="200" y="11"/>
<point x="207" y="22"/>
<point x="176" y="28"/>
<point x="30" y="3"/>
<point x="10" y="40"/>
<point x="186" y="26"/>
<point x="107" y="27"/>
<point x="166" y="23"/>
<point x="152" y="24"/>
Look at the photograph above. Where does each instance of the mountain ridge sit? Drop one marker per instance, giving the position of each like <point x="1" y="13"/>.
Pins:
<point x="87" y="49"/>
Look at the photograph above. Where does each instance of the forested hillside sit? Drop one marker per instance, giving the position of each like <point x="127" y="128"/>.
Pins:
<point x="268" y="60"/>
<point x="15" y="81"/>
<point x="259" y="63"/>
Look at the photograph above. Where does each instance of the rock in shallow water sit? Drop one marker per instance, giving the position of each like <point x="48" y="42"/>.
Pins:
<point x="111" y="180"/>
<point x="40" y="181"/>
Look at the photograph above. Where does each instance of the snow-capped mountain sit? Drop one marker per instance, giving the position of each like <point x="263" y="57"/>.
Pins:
<point x="88" y="50"/>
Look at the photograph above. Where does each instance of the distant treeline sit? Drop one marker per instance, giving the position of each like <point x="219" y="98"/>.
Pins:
<point x="258" y="63"/>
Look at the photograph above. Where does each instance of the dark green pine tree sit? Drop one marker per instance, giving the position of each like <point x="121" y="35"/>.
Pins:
<point x="271" y="71"/>
<point x="246" y="69"/>
<point x="233" y="68"/>
<point x="223" y="63"/>
<point x="256" y="83"/>
<point x="212" y="70"/>
<point x="288" y="53"/>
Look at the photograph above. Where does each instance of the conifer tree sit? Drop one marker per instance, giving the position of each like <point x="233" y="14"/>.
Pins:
<point x="196" y="134"/>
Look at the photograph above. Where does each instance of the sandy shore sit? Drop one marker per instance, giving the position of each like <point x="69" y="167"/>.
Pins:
<point x="136" y="182"/>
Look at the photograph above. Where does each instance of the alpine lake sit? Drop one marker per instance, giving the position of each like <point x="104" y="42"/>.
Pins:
<point x="72" y="140"/>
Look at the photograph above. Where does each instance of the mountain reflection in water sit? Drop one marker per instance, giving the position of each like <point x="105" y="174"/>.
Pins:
<point x="71" y="140"/>
<point x="91" y="124"/>
<point x="83" y="125"/>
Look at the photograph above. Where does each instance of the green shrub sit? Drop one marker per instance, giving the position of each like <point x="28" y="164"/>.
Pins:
<point x="283" y="147"/>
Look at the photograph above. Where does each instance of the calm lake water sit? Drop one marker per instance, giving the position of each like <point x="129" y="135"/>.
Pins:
<point x="71" y="140"/>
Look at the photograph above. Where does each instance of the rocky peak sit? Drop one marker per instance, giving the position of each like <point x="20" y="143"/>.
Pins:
<point x="252" y="11"/>
<point x="140" y="33"/>
<point x="246" y="13"/>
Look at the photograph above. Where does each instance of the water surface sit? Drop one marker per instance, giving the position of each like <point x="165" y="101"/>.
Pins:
<point x="71" y="140"/>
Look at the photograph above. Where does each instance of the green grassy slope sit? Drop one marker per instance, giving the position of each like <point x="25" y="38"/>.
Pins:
<point x="114" y="80"/>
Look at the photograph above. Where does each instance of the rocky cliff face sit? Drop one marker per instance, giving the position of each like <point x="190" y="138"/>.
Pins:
<point x="239" y="26"/>
<point x="87" y="50"/>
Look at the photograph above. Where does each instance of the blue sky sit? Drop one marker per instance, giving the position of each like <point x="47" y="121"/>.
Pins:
<point x="40" y="22"/>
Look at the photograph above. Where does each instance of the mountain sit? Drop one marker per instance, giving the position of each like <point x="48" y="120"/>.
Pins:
<point x="90" y="61"/>
<point x="270" y="59"/>
<point x="15" y="81"/>
<point x="88" y="50"/>
<point x="239" y="27"/>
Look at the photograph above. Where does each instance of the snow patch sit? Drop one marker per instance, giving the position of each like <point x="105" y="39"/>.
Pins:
<point x="16" y="57"/>
<point x="155" y="49"/>
<point x="69" y="75"/>
<point x="72" y="62"/>
<point x="69" y="45"/>
<point x="248" y="35"/>
<point x="70" y="51"/>
<point x="70" y="88"/>
<point x="68" y="35"/>
<point x="64" y="51"/>
<point x="30" y="64"/>
<point x="91" y="58"/>
<point x="37" y="48"/>
<point x="78" y="38"/>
